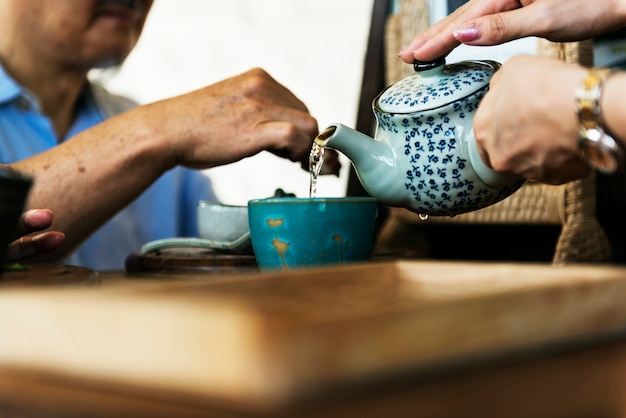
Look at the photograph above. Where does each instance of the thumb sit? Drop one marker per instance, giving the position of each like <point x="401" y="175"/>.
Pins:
<point x="32" y="245"/>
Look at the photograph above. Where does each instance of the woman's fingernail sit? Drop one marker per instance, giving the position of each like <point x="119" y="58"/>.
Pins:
<point x="401" y="52"/>
<point x="467" y="33"/>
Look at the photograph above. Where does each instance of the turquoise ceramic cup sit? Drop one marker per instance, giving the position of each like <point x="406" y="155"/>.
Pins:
<point x="290" y="233"/>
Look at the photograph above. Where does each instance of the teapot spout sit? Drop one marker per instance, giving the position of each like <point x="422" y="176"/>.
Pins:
<point x="374" y="161"/>
<point x="346" y="140"/>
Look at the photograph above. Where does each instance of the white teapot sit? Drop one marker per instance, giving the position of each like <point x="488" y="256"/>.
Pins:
<point x="424" y="156"/>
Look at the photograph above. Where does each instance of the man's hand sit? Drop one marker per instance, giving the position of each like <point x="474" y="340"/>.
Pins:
<point x="36" y="243"/>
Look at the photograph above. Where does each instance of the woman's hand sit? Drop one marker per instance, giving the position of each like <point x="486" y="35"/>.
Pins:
<point x="539" y="140"/>
<point x="492" y="22"/>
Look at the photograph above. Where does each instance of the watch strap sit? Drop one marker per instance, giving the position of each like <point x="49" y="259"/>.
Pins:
<point x="588" y="96"/>
<point x="597" y="147"/>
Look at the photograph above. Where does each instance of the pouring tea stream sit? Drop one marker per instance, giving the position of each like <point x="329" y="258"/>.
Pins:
<point x="423" y="156"/>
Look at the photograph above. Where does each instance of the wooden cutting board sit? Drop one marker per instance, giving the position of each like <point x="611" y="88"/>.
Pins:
<point x="48" y="274"/>
<point x="274" y="339"/>
<point x="173" y="261"/>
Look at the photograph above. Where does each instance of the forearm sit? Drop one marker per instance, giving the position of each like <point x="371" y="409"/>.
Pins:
<point x="88" y="179"/>
<point x="613" y="105"/>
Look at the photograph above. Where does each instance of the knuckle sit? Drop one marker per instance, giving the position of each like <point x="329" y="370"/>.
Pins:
<point x="498" y="26"/>
<point x="256" y="79"/>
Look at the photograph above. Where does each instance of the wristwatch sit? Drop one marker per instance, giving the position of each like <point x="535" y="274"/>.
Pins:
<point x="598" y="148"/>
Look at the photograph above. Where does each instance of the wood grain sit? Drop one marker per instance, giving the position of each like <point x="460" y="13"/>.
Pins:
<point x="271" y="341"/>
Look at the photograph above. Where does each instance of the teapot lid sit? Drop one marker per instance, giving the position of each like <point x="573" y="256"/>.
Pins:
<point x="435" y="84"/>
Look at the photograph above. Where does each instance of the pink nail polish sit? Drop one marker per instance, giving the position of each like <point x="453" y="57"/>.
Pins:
<point x="401" y="52"/>
<point x="466" y="33"/>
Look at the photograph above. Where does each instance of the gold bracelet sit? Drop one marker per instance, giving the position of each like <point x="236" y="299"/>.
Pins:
<point x="596" y="146"/>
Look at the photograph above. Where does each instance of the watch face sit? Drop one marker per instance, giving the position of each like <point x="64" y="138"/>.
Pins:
<point x="599" y="159"/>
<point x="599" y="150"/>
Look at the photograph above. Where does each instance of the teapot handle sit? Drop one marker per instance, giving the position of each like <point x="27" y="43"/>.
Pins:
<point x="488" y="175"/>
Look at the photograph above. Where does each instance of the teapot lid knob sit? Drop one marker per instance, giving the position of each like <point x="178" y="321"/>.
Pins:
<point x="419" y="66"/>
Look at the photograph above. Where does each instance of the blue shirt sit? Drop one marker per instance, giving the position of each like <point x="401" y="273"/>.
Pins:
<point x="166" y="209"/>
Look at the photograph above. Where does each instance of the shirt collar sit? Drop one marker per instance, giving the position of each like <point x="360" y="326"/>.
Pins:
<point x="10" y="90"/>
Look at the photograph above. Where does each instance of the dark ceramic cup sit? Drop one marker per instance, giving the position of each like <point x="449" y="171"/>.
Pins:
<point x="14" y="188"/>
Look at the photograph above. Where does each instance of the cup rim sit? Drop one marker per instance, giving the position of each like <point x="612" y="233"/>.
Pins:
<point x="308" y="200"/>
<point x="209" y="203"/>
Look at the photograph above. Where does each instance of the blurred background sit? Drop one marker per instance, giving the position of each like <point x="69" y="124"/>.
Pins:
<point x="316" y="48"/>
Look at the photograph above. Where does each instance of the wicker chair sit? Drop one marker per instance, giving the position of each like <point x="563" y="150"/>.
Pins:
<point x="572" y="206"/>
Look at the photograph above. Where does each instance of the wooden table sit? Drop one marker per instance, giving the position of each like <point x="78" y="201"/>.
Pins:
<point x="387" y="339"/>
